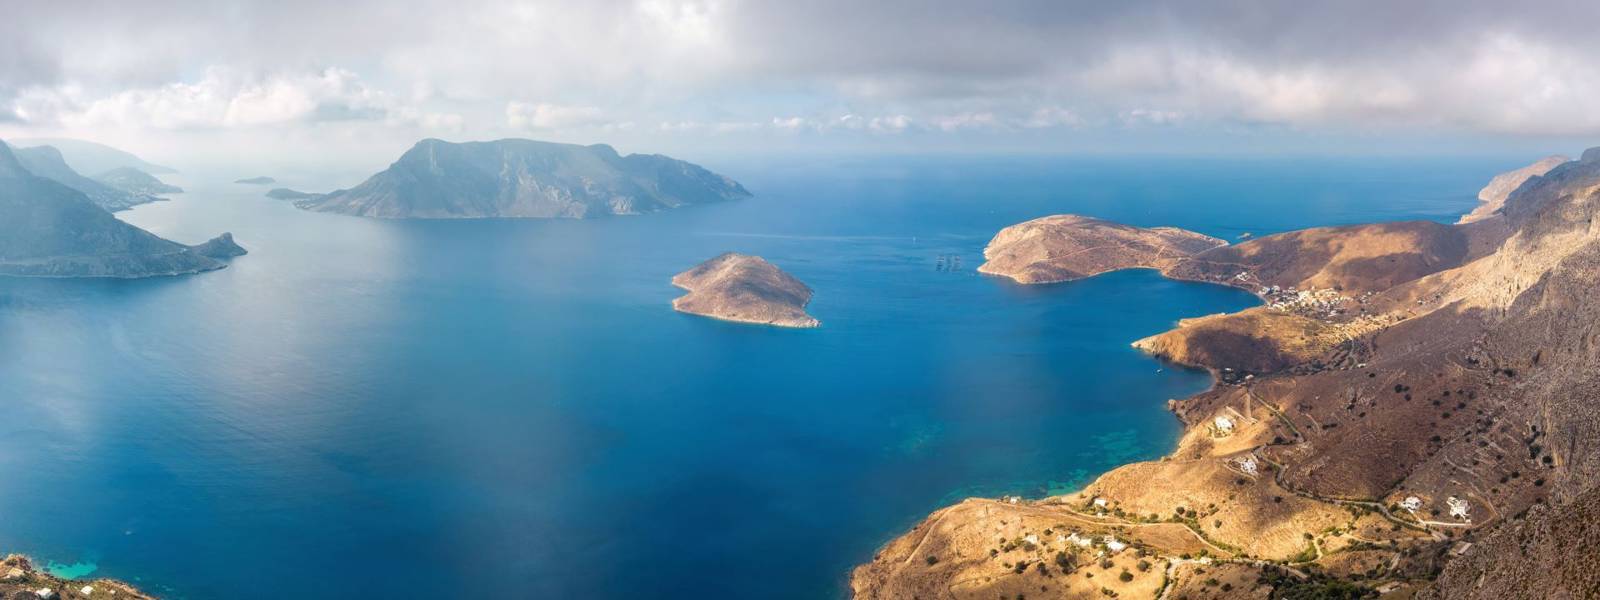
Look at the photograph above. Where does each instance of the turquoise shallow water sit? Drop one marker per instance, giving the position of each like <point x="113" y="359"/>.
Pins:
<point x="370" y="408"/>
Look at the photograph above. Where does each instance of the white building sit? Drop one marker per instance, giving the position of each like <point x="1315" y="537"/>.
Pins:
<point x="1458" y="508"/>
<point x="1224" y="425"/>
<point x="1114" y="545"/>
<point x="1411" y="503"/>
<point x="1032" y="539"/>
<point x="1081" y="542"/>
<point x="1100" y="502"/>
<point x="1248" y="465"/>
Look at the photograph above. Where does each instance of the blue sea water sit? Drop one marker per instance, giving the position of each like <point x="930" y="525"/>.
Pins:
<point x="365" y="408"/>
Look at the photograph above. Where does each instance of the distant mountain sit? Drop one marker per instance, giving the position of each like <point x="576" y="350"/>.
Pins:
<point x="134" y="181"/>
<point x="47" y="162"/>
<point x="50" y="230"/>
<point x="288" y="194"/>
<point x="90" y="157"/>
<point x="526" y="179"/>
<point x="257" y="181"/>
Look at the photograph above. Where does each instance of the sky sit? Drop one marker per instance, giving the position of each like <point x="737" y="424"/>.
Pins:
<point x="357" y="81"/>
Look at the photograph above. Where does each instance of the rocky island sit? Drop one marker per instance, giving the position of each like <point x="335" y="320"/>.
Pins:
<point x="1067" y="247"/>
<point x="1412" y="412"/>
<point x="516" y="178"/>
<point x="257" y="181"/>
<point x="48" y="229"/>
<point x="746" y="289"/>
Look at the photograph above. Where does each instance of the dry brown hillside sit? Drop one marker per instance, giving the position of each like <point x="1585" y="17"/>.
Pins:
<point x="1421" y="390"/>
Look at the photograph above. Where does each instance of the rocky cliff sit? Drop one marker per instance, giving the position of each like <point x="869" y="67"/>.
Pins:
<point x="525" y="179"/>
<point x="1422" y="401"/>
<point x="743" y="288"/>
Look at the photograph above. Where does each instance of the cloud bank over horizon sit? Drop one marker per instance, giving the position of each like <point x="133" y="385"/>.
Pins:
<point x="198" y="77"/>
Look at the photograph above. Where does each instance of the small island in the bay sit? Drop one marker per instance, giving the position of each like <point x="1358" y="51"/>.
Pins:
<point x="1067" y="247"/>
<point x="746" y="289"/>
<point x="48" y="229"/>
<point x="257" y="181"/>
<point x="288" y="194"/>
<point x="516" y="178"/>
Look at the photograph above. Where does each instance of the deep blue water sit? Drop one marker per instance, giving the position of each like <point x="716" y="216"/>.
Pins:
<point x="366" y="408"/>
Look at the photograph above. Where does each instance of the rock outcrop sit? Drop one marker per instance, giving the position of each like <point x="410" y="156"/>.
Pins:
<point x="746" y="289"/>
<point x="19" y="580"/>
<point x="1493" y="196"/>
<point x="46" y="162"/>
<point x="134" y="181"/>
<point x="50" y="230"/>
<point x="1067" y="247"/>
<point x="1424" y="398"/>
<point x="525" y="179"/>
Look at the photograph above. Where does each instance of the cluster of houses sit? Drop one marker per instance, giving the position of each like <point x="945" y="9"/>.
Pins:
<point x="1459" y="508"/>
<point x="1324" y="303"/>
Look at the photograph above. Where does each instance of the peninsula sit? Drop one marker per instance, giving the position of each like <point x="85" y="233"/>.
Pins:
<point x="48" y="163"/>
<point x="746" y="289"/>
<point x="134" y="181"/>
<point x="50" y="230"/>
<point x="1411" y="411"/>
<point x="1067" y="247"/>
<point x="516" y="178"/>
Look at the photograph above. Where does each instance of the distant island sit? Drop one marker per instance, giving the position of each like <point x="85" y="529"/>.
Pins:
<point x="746" y="289"/>
<point x="516" y="178"/>
<point x="257" y="181"/>
<point x="47" y="162"/>
<point x="1410" y="411"/>
<point x="48" y="229"/>
<point x="288" y="194"/>
<point x="134" y="181"/>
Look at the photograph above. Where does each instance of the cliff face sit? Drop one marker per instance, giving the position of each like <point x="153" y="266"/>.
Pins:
<point x="746" y="289"/>
<point x="1363" y="425"/>
<point x="50" y="230"/>
<point x="525" y="179"/>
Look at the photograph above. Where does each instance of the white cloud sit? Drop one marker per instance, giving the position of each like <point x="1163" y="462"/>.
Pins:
<point x="546" y="116"/>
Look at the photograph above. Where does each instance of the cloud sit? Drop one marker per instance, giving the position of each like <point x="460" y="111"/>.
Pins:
<point x="524" y="115"/>
<point x="227" y="98"/>
<point x="884" y="70"/>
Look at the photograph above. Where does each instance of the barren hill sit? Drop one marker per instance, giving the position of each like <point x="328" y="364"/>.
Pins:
<point x="1422" y="386"/>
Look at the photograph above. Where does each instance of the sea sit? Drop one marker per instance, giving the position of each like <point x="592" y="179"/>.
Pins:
<point x="366" y="408"/>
